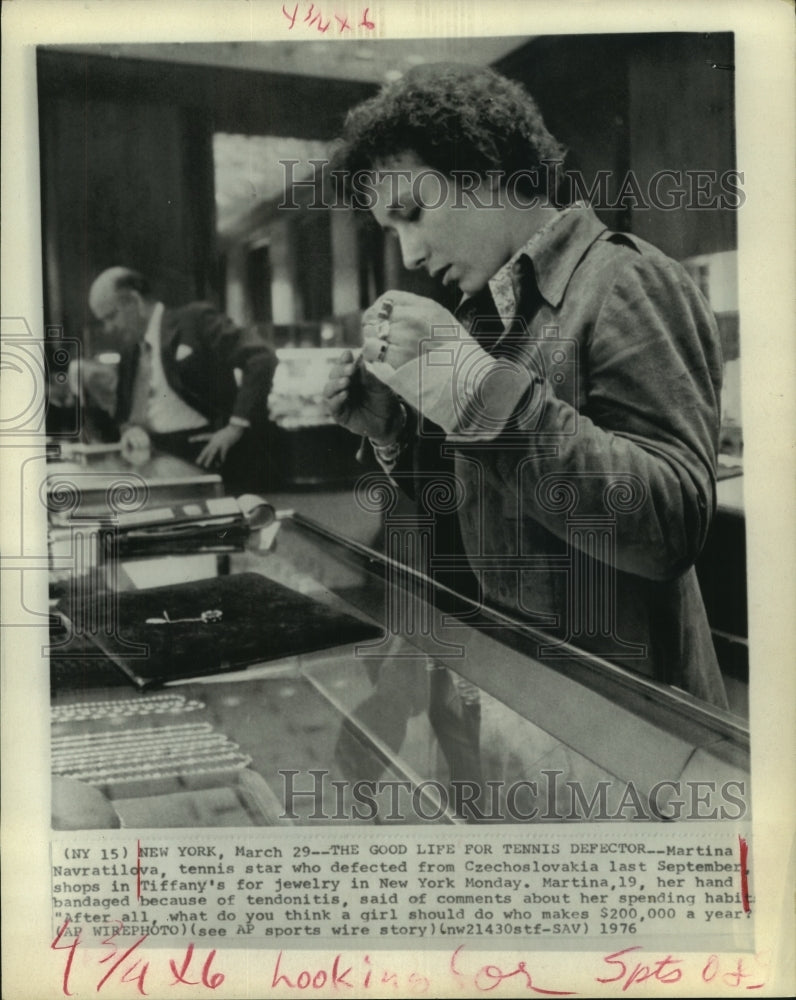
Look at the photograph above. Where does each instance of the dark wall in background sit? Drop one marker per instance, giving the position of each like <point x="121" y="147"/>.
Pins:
<point x="127" y="170"/>
<point x="643" y="103"/>
<point x="127" y="165"/>
<point x="580" y="84"/>
<point x="123" y="184"/>
<point x="682" y="117"/>
<point x="313" y="243"/>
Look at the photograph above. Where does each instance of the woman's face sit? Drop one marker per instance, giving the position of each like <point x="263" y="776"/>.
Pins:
<point x="459" y="237"/>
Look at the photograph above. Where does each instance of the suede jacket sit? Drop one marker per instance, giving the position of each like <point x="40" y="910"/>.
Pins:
<point x="582" y="511"/>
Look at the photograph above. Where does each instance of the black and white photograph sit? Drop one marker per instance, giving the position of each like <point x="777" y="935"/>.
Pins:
<point x="388" y="472"/>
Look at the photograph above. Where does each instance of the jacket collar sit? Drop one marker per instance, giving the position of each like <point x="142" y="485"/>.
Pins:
<point x="560" y="249"/>
<point x="552" y="252"/>
<point x="548" y="260"/>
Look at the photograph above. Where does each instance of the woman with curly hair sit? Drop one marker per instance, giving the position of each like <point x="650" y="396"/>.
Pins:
<point x="576" y="388"/>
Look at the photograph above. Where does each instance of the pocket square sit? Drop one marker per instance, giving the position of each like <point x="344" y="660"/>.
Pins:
<point x="183" y="352"/>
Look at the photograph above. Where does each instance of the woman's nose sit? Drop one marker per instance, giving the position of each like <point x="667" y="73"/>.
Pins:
<point x="412" y="250"/>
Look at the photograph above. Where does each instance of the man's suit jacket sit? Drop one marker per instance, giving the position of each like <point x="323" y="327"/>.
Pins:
<point x="200" y="350"/>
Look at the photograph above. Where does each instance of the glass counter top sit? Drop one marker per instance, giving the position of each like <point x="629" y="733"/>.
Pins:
<point x="449" y="715"/>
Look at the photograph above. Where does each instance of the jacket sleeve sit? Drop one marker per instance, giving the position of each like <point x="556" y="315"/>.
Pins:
<point x="232" y="348"/>
<point x="642" y="445"/>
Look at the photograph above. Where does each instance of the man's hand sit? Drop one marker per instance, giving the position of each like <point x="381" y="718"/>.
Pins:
<point x="358" y="401"/>
<point x="403" y="321"/>
<point x="134" y="439"/>
<point x="218" y="446"/>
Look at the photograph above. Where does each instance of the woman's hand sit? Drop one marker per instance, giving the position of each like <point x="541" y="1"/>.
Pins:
<point x="357" y="400"/>
<point x="400" y="325"/>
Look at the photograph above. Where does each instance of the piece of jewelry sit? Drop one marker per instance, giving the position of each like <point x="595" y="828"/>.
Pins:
<point x="383" y="315"/>
<point x="206" y="617"/>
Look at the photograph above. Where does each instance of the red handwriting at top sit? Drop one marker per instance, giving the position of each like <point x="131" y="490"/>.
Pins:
<point x="314" y="17"/>
<point x="133" y="970"/>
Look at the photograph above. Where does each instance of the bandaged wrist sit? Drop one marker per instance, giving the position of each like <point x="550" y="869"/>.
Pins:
<point x="388" y="454"/>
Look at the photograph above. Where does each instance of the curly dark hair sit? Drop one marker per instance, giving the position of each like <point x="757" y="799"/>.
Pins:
<point x="454" y="118"/>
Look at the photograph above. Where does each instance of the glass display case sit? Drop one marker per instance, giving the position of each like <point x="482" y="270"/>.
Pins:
<point x="446" y="713"/>
<point x="313" y="449"/>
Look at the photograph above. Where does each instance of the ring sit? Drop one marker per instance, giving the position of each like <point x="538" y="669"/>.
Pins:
<point x="385" y="309"/>
<point x="383" y="347"/>
<point x="383" y="329"/>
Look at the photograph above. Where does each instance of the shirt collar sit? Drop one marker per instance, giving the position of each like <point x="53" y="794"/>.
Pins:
<point x="555" y="251"/>
<point x="152" y="335"/>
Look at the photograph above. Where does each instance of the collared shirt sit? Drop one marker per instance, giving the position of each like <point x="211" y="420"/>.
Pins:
<point x="167" y="413"/>
<point x="504" y="285"/>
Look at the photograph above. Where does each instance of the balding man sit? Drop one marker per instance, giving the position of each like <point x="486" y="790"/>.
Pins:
<point x="183" y="372"/>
